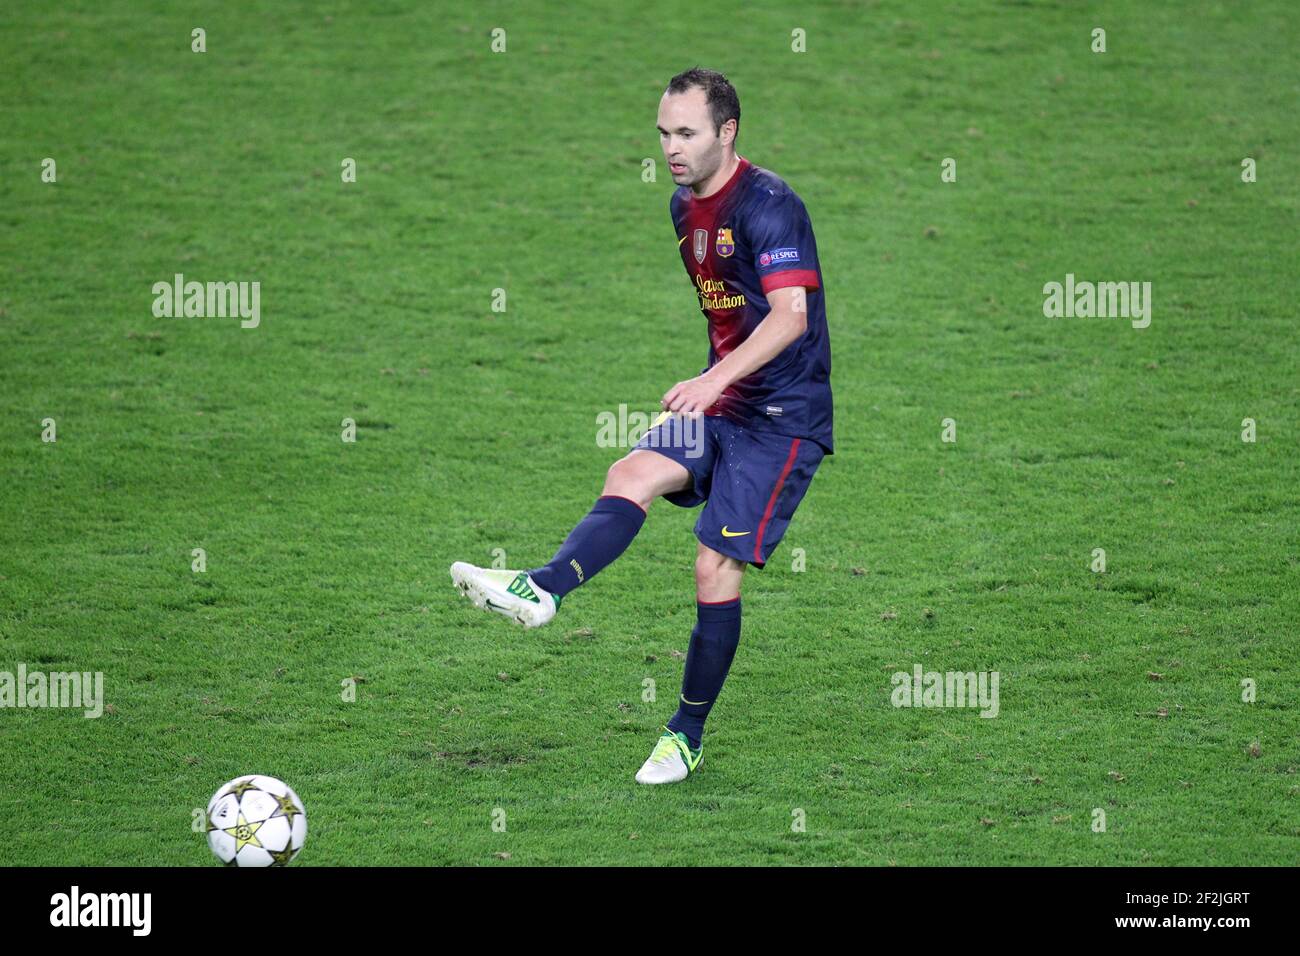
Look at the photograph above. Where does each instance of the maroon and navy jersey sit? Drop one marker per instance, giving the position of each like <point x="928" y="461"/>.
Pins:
<point x="749" y="238"/>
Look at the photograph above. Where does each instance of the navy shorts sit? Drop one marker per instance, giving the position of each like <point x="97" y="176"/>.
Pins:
<point x="751" y="479"/>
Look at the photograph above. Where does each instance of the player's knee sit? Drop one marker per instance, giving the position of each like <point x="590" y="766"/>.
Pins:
<point x="709" y="573"/>
<point x="627" y="479"/>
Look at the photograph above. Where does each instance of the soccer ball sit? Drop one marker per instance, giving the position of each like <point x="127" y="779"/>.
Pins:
<point x="256" y="821"/>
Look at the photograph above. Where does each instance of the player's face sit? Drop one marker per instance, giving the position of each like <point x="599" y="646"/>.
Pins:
<point x="691" y="145"/>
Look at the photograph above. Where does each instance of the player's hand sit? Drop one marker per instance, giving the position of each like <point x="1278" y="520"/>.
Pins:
<point x="691" y="397"/>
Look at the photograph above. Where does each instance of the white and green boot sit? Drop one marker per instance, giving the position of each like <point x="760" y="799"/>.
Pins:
<point x="512" y="593"/>
<point x="671" y="760"/>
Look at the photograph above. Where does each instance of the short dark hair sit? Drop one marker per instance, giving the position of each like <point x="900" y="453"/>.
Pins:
<point x="721" y="96"/>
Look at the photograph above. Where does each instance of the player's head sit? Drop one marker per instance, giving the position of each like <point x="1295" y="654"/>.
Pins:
<point x="698" y="119"/>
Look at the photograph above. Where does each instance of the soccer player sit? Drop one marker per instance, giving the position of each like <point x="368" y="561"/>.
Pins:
<point x="744" y="437"/>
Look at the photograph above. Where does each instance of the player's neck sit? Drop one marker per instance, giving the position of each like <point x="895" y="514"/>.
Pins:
<point x="718" y="179"/>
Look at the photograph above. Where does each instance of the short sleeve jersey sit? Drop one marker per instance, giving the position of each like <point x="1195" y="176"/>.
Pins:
<point x="749" y="238"/>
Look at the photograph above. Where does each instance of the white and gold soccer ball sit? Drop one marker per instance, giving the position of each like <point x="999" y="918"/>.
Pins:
<point x="256" y="821"/>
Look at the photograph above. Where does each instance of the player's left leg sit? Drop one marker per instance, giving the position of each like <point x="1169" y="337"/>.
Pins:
<point x="713" y="640"/>
<point x="708" y="659"/>
<point x="757" y="484"/>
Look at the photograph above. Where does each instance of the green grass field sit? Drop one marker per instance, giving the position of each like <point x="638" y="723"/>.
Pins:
<point x="1120" y="691"/>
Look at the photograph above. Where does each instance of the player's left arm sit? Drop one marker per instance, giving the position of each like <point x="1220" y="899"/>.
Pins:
<point x="785" y="322"/>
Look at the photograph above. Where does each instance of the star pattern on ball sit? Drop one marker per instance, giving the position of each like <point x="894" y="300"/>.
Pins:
<point x="239" y="788"/>
<point x="245" y="833"/>
<point x="282" y="857"/>
<point x="288" y="809"/>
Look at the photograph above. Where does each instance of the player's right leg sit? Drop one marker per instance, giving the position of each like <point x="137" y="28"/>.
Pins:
<point x="641" y="476"/>
<point x="532" y="597"/>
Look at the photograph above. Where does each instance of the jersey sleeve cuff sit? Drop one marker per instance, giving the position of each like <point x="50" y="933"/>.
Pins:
<point x="790" y="278"/>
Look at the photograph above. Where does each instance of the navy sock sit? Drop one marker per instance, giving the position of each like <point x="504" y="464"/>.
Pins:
<point x="593" y="544"/>
<point x="713" y="644"/>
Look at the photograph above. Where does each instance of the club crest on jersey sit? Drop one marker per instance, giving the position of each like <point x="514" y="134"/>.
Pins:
<point x="723" y="245"/>
<point x="701" y="241"/>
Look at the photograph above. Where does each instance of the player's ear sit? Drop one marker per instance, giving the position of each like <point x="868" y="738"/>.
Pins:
<point x="728" y="132"/>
